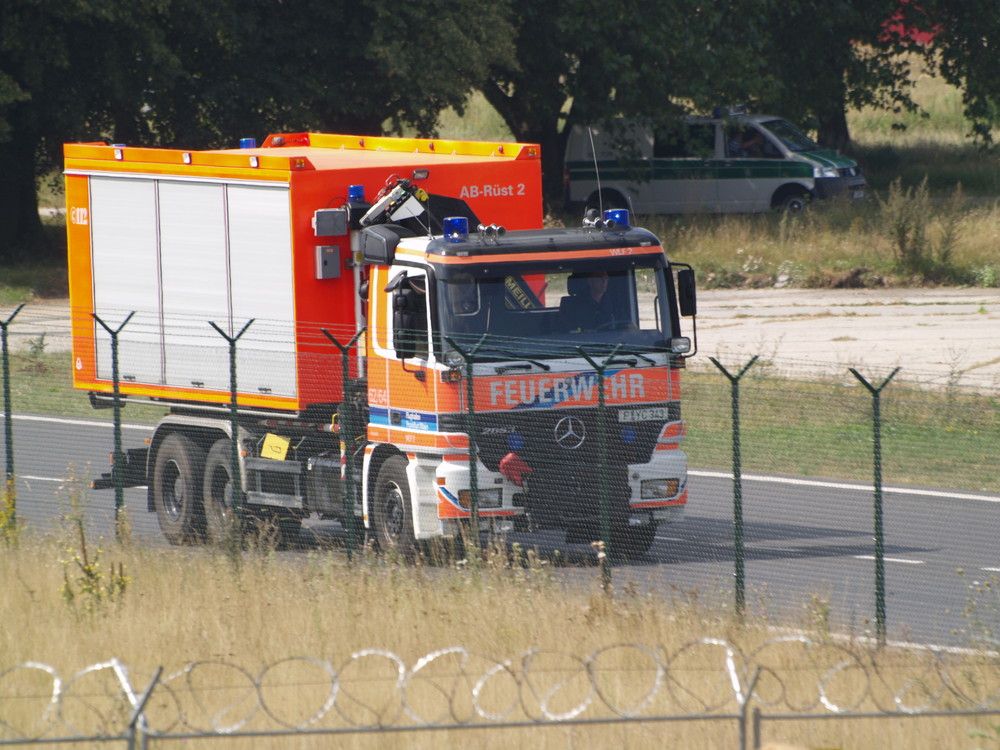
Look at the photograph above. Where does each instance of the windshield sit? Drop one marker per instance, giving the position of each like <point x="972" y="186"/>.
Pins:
<point x="548" y="313"/>
<point x="793" y="138"/>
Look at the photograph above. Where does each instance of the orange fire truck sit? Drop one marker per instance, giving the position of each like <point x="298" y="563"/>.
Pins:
<point x="229" y="285"/>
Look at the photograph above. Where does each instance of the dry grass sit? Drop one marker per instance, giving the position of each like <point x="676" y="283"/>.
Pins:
<point x="176" y="606"/>
<point x="836" y="244"/>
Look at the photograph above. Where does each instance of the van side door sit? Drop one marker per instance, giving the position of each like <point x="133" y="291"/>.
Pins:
<point x="684" y="172"/>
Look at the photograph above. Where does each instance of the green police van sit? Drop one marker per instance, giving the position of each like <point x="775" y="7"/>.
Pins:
<point x="736" y="164"/>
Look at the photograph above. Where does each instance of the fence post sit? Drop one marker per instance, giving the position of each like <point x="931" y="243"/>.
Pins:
<point x="347" y="428"/>
<point x="744" y="709"/>
<point x="879" y="533"/>
<point x="10" y="491"/>
<point x="118" y="463"/>
<point x="469" y="357"/>
<point x="234" y="450"/>
<point x="738" y="551"/>
<point x="602" y="464"/>
<point x="136" y="722"/>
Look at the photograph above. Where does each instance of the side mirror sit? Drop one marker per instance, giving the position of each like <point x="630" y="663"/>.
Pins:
<point x="686" y="296"/>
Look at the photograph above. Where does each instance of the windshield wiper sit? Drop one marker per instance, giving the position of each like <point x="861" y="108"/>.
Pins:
<point x="514" y="355"/>
<point x="643" y="357"/>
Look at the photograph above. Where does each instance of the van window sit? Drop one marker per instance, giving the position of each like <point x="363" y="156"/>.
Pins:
<point x="793" y="138"/>
<point x="692" y="141"/>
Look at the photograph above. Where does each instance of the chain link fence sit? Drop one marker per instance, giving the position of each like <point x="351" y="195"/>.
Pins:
<point x="865" y="502"/>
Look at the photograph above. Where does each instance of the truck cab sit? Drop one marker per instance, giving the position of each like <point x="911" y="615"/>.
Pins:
<point x="526" y="315"/>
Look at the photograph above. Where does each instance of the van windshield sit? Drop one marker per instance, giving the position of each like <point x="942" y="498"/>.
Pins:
<point x="548" y="313"/>
<point x="793" y="138"/>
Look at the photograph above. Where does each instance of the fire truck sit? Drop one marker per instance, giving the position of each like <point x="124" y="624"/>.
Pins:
<point x="376" y="331"/>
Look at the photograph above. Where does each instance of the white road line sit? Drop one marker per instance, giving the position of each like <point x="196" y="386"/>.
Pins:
<point x="891" y="559"/>
<point x="845" y="486"/>
<point x="29" y="478"/>
<point x="77" y="422"/>
<point x="991" y="570"/>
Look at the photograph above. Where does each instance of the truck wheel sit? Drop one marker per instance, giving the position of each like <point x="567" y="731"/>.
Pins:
<point x="632" y="542"/>
<point x="217" y="493"/>
<point x="177" y="479"/>
<point x="392" y="509"/>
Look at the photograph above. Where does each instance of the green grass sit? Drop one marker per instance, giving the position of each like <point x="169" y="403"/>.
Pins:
<point x="824" y="428"/>
<point x="796" y="427"/>
<point x="42" y="384"/>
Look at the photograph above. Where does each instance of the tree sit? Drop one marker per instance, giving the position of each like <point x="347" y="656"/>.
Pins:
<point x="195" y="74"/>
<point x="581" y="61"/>
<point x="827" y="56"/>
<point x="963" y="50"/>
<point x="65" y="68"/>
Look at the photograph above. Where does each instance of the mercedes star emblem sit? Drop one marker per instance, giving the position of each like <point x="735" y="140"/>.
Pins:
<point x="570" y="433"/>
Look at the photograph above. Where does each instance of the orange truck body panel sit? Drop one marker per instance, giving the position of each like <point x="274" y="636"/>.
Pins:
<point x="159" y="231"/>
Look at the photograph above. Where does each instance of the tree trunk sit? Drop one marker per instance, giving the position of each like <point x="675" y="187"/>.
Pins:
<point x="545" y="134"/>
<point x="21" y="234"/>
<point x="833" y="131"/>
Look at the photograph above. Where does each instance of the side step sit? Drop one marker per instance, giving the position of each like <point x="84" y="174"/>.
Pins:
<point x="132" y="473"/>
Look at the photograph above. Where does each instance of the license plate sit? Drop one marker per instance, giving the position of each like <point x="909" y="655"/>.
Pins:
<point x="648" y="414"/>
<point x="857" y="194"/>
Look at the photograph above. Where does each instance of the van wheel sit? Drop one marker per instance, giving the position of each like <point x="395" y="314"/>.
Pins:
<point x="177" y="484"/>
<point x="392" y="509"/>
<point x="217" y="493"/>
<point x="793" y="202"/>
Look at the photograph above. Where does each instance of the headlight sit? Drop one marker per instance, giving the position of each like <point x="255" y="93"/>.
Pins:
<point x="487" y="498"/>
<point x="680" y="345"/>
<point x="655" y="489"/>
<point x="825" y="172"/>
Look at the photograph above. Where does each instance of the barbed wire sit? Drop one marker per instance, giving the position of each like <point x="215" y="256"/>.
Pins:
<point x="375" y="689"/>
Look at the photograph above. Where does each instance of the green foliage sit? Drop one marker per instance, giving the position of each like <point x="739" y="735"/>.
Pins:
<point x="87" y="587"/>
<point x="991" y="733"/>
<point x="905" y="217"/>
<point x="859" y="64"/>
<point x="204" y="74"/>
<point x="10" y="528"/>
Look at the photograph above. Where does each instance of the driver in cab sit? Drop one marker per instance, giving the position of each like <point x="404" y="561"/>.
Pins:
<point x="588" y="307"/>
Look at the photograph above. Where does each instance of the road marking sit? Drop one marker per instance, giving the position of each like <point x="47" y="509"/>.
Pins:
<point x="29" y="478"/>
<point x="891" y="559"/>
<point x="775" y="549"/>
<point x="991" y="570"/>
<point x="844" y="486"/>
<point x="77" y="422"/>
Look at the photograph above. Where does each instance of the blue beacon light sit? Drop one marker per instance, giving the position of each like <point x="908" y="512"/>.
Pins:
<point x="619" y="216"/>
<point x="456" y="229"/>
<point x="355" y="194"/>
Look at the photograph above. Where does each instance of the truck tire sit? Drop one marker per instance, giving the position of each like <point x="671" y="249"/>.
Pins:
<point x="177" y="481"/>
<point x="632" y="542"/>
<point x="217" y="493"/>
<point x="392" y="511"/>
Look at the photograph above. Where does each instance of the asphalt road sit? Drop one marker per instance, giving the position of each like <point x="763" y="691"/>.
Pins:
<point x="809" y="547"/>
<point x="809" y="551"/>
